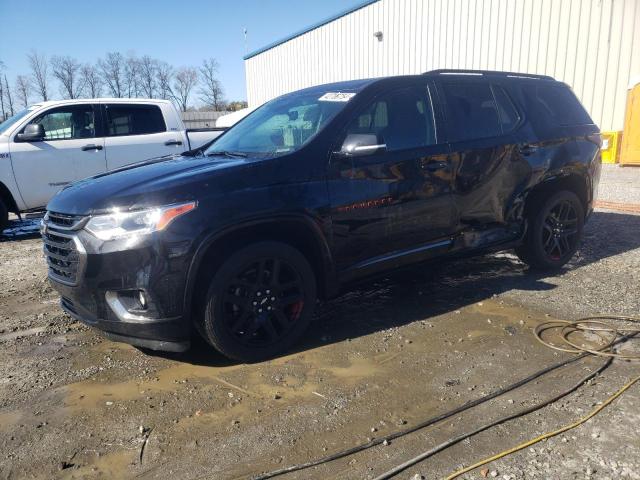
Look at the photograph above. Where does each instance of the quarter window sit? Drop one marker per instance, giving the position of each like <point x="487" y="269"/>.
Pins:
<point x="134" y="120"/>
<point x="559" y="104"/>
<point x="471" y="111"/>
<point x="402" y="120"/>
<point x="67" y="123"/>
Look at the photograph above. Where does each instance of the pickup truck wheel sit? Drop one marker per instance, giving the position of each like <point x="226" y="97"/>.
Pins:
<point x="259" y="302"/>
<point x="4" y="216"/>
<point x="555" y="229"/>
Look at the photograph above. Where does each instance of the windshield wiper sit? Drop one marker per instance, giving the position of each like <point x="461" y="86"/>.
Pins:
<point x="228" y="153"/>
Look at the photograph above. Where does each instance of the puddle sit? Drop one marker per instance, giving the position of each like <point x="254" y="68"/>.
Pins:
<point x="118" y="464"/>
<point x="90" y="393"/>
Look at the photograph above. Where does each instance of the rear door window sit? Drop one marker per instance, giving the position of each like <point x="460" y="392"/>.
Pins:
<point x="471" y="111"/>
<point x="401" y="119"/>
<point x="509" y="116"/>
<point x="559" y="105"/>
<point x="133" y="120"/>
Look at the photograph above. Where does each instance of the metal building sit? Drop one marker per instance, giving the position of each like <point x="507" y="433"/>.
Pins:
<point x="585" y="43"/>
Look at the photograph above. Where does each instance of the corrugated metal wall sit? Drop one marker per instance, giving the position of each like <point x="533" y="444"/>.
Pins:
<point x="585" y="43"/>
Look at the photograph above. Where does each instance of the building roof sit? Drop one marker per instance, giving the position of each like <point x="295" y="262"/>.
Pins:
<point x="362" y="4"/>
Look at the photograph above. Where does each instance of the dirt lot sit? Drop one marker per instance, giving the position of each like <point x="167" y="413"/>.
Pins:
<point x="380" y="358"/>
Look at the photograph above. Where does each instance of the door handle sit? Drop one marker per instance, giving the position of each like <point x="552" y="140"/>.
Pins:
<point x="527" y="149"/>
<point x="173" y="142"/>
<point x="435" y="166"/>
<point x="91" y="146"/>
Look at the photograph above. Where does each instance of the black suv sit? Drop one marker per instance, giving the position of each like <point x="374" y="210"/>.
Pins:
<point x="318" y="188"/>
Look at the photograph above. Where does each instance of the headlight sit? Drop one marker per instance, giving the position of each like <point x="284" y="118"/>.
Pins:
<point x="124" y="224"/>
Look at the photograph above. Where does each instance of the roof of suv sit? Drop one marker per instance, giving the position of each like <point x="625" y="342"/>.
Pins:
<point x="489" y="73"/>
<point x="357" y="85"/>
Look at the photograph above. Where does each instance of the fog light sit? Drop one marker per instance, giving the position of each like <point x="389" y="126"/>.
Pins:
<point x="142" y="299"/>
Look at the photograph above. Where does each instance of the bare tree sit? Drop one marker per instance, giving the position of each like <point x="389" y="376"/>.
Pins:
<point x="23" y="89"/>
<point x="39" y="73"/>
<point x="112" y="68"/>
<point x="148" y="74"/>
<point x="185" y="80"/>
<point x="211" y="92"/>
<point x="132" y="76"/>
<point x="67" y="71"/>
<point x="164" y="76"/>
<point x="8" y="95"/>
<point x="91" y="80"/>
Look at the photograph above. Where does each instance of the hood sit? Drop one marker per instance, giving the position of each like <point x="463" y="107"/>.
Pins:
<point x="158" y="181"/>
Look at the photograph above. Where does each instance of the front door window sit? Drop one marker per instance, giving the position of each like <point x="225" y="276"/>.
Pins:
<point x="66" y="123"/>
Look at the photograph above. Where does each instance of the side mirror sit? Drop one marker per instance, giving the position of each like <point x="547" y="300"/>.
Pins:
<point x="34" y="132"/>
<point x="361" y="144"/>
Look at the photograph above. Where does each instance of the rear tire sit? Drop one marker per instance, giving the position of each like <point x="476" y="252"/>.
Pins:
<point x="555" y="227"/>
<point x="259" y="302"/>
<point x="4" y="216"/>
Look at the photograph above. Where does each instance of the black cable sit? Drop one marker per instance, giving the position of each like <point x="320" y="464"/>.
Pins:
<point x="424" y="424"/>
<point x="521" y="413"/>
<point x="403" y="466"/>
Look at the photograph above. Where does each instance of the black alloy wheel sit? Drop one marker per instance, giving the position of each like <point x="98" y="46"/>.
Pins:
<point x="555" y="223"/>
<point x="263" y="302"/>
<point x="560" y="230"/>
<point x="259" y="302"/>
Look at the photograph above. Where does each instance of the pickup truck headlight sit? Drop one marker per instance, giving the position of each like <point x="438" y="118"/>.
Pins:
<point x="141" y="222"/>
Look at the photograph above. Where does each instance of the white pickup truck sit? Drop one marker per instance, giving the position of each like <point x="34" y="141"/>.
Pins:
<point x="50" y="144"/>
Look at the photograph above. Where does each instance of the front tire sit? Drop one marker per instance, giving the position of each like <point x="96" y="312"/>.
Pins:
<point x="259" y="302"/>
<point x="4" y="216"/>
<point x="555" y="227"/>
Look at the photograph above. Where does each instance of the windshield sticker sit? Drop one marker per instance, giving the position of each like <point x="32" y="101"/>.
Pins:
<point x="336" y="97"/>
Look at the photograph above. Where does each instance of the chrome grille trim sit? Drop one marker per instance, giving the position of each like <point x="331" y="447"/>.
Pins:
<point x="65" y="255"/>
<point x="61" y="221"/>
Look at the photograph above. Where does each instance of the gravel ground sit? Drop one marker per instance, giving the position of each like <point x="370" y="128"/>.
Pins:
<point x="382" y="357"/>
<point x="620" y="184"/>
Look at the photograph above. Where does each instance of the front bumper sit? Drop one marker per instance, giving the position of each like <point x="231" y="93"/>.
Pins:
<point x="109" y="276"/>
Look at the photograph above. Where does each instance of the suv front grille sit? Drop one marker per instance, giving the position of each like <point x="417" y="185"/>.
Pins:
<point x="65" y="222"/>
<point x="61" y="247"/>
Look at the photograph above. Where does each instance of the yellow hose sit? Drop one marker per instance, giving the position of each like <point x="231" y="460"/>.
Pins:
<point x="546" y="435"/>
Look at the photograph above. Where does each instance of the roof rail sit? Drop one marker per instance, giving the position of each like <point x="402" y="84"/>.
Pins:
<point x="496" y="73"/>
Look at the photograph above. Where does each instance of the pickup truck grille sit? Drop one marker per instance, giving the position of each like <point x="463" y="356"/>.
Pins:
<point x="61" y="246"/>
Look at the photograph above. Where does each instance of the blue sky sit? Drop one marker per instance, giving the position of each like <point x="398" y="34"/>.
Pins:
<point x="182" y="33"/>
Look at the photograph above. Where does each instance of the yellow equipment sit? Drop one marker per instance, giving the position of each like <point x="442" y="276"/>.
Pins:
<point x="630" y="151"/>
<point x="610" y="146"/>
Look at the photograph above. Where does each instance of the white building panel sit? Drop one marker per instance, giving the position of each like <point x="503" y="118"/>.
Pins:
<point x="588" y="44"/>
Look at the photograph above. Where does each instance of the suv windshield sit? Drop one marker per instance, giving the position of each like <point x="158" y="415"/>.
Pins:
<point x="11" y="120"/>
<point x="283" y="125"/>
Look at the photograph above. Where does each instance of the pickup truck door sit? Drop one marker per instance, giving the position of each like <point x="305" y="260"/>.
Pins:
<point x="396" y="201"/>
<point x="70" y="151"/>
<point x="137" y="132"/>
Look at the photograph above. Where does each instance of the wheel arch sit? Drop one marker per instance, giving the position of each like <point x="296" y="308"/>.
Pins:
<point x="298" y="231"/>
<point x="577" y="183"/>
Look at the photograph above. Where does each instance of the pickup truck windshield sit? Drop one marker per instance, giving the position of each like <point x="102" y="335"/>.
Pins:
<point x="283" y="125"/>
<point x="11" y="120"/>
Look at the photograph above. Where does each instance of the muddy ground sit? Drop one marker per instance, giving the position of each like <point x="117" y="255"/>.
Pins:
<point x="380" y="358"/>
